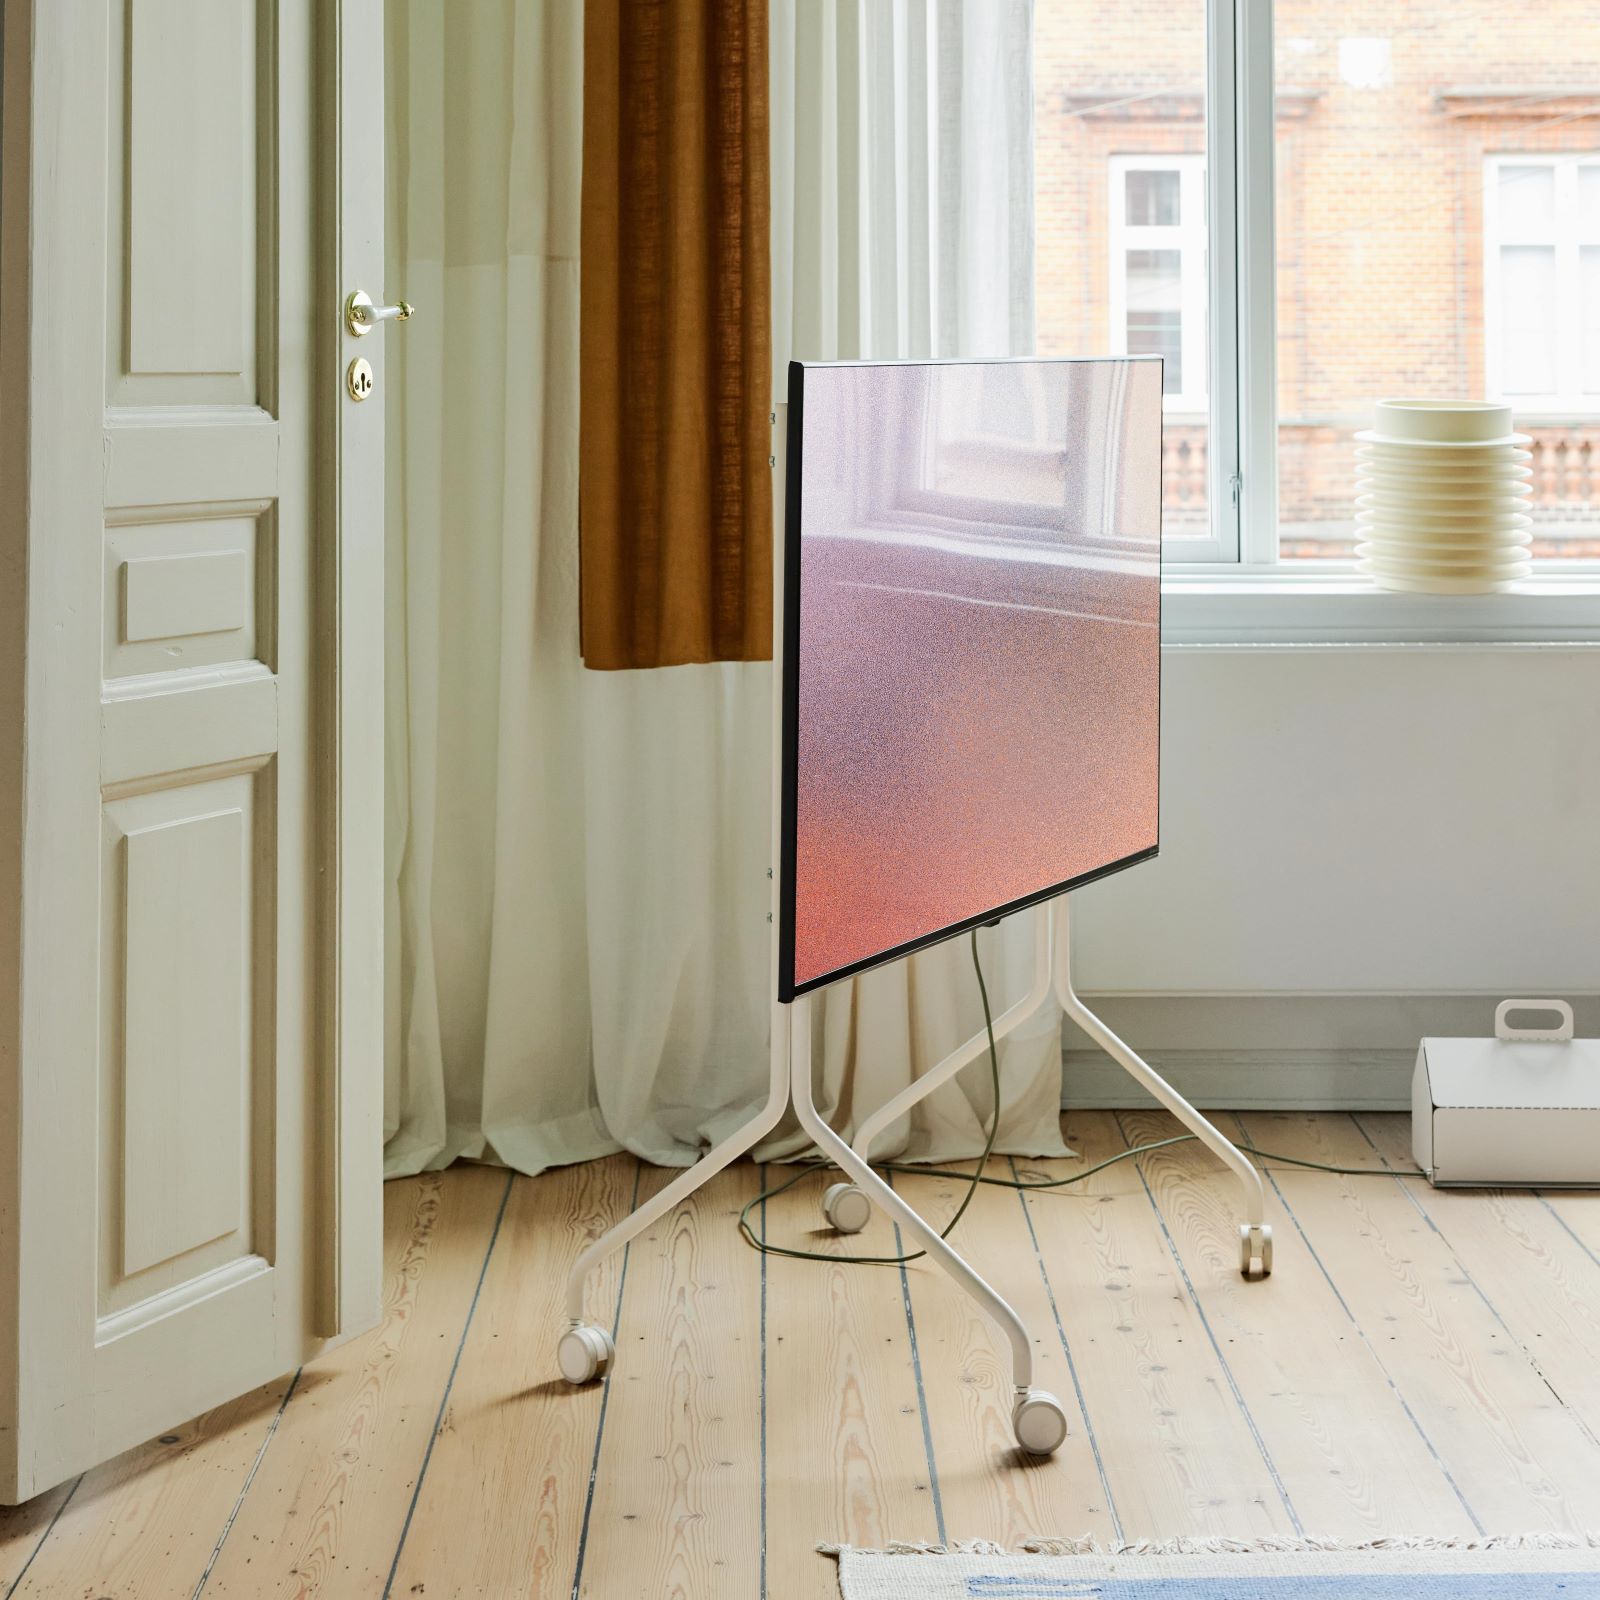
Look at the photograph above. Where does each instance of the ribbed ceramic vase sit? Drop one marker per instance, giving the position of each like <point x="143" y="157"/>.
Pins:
<point x="1441" y="491"/>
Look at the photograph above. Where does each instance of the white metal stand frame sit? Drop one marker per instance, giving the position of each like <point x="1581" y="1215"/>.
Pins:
<point x="586" y="1350"/>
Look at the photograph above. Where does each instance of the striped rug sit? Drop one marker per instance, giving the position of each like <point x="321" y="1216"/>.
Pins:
<point x="1533" y="1567"/>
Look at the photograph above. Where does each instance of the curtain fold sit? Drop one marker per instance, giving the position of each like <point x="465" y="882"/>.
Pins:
<point x="902" y="150"/>
<point x="675" y="359"/>
<point x="489" y="999"/>
<point x="577" y="895"/>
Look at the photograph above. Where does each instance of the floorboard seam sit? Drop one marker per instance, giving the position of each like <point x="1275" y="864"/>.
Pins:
<point x="50" y="1528"/>
<point x="1477" y="1288"/>
<point x="444" y="1399"/>
<point x="916" y="1368"/>
<point x="605" y="1397"/>
<point x="1405" y="1405"/>
<point x="244" y="1488"/>
<point x="1566" y="1227"/>
<point x="1216" y="1348"/>
<point x="1072" y="1366"/>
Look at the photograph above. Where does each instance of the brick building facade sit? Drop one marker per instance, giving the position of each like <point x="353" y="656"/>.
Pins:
<point x="1416" y="256"/>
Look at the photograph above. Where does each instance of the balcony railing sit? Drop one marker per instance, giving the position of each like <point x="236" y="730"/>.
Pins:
<point x="1183" y="478"/>
<point x="1317" y="475"/>
<point x="1566" y="472"/>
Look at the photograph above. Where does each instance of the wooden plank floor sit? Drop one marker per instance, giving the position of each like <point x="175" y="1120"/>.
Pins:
<point x="1421" y="1362"/>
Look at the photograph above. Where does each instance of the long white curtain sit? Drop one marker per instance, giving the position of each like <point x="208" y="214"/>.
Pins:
<point x="577" y="928"/>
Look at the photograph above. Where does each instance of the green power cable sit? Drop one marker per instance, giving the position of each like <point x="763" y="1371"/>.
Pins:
<point x="974" y="1178"/>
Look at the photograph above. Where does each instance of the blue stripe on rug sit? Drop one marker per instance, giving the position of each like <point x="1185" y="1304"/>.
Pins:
<point x="1332" y="1586"/>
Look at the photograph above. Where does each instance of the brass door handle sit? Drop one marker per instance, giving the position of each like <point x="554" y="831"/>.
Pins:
<point x="361" y="316"/>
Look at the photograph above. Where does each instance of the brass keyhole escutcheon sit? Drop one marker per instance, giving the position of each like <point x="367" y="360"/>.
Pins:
<point x="359" y="379"/>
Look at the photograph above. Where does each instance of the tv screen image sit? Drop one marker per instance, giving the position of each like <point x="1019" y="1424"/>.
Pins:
<point x="971" y="647"/>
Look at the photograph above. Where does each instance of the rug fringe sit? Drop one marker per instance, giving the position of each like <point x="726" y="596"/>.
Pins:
<point x="912" y="1547"/>
<point x="1212" y="1547"/>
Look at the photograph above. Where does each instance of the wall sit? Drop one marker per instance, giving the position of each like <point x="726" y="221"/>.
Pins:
<point x="1360" y="844"/>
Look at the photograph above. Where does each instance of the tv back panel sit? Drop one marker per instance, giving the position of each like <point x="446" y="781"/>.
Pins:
<point x="971" y="647"/>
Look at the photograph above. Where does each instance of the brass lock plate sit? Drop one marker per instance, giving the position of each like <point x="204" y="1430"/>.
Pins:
<point x="359" y="379"/>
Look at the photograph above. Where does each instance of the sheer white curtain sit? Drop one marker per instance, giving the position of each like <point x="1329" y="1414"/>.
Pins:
<point x="902" y="153"/>
<point x="488" y="987"/>
<point x="577" y="906"/>
<point x="577" y="929"/>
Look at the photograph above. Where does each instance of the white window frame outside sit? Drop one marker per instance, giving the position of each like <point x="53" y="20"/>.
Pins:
<point x="1232" y="587"/>
<point x="1188" y="237"/>
<point x="1566" y="238"/>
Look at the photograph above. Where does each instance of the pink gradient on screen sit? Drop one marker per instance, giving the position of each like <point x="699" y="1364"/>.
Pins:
<point x="979" y="652"/>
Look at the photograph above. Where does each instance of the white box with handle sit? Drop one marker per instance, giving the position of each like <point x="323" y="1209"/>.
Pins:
<point x="1520" y="1110"/>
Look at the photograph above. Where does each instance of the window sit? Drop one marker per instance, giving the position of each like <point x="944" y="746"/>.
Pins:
<point x="1158" y="270"/>
<point x="1305" y="208"/>
<point x="1541" y="285"/>
<point x="1122" y="221"/>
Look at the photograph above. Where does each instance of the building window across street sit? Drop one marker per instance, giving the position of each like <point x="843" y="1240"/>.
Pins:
<point x="1541" y="259"/>
<point x="1158" y="269"/>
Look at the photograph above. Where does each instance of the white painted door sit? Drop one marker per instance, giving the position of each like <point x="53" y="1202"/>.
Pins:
<point x="191" y="516"/>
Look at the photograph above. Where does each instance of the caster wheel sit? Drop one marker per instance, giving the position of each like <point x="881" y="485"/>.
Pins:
<point x="585" y="1353"/>
<point x="1040" y="1423"/>
<point x="1255" y="1250"/>
<point x="846" y="1207"/>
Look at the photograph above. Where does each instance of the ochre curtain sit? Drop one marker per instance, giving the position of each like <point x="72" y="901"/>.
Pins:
<point x="675" y="342"/>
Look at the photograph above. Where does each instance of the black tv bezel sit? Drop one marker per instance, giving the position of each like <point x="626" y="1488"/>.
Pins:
<point x="789" y="776"/>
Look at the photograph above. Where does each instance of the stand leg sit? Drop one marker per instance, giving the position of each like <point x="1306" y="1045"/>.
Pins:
<point x="586" y="1350"/>
<point x="1038" y="1417"/>
<point x="845" y="1205"/>
<point x="1255" y="1233"/>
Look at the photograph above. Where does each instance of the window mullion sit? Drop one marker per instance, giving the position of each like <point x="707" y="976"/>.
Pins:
<point x="1569" y="283"/>
<point x="1191" y="238"/>
<point x="1222" y="383"/>
<point x="1256" y="247"/>
<point x="1117" y="280"/>
<point x="1493" y="332"/>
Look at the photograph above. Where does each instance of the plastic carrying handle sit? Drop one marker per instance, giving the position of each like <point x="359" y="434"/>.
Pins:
<point x="1556" y="1035"/>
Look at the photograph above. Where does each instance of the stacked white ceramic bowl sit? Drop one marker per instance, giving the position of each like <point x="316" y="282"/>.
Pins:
<point x="1441" y="491"/>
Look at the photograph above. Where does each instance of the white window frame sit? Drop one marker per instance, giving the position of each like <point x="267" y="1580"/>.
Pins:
<point x="1566" y="238"/>
<point x="1188" y="237"/>
<point x="1242" y="383"/>
<point x="1232" y="587"/>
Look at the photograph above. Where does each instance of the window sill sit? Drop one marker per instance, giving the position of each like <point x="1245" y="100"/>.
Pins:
<point x="1205" y="604"/>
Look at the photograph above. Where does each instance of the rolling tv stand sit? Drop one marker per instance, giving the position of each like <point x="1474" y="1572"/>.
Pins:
<point x="1039" y="1420"/>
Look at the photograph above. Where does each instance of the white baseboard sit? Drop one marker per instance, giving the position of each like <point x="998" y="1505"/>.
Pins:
<point x="1351" y="1052"/>
<point x="1248" y="1080"/>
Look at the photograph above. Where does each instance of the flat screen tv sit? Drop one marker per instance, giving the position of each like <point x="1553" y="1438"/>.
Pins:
<point x="971" y="647"/>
